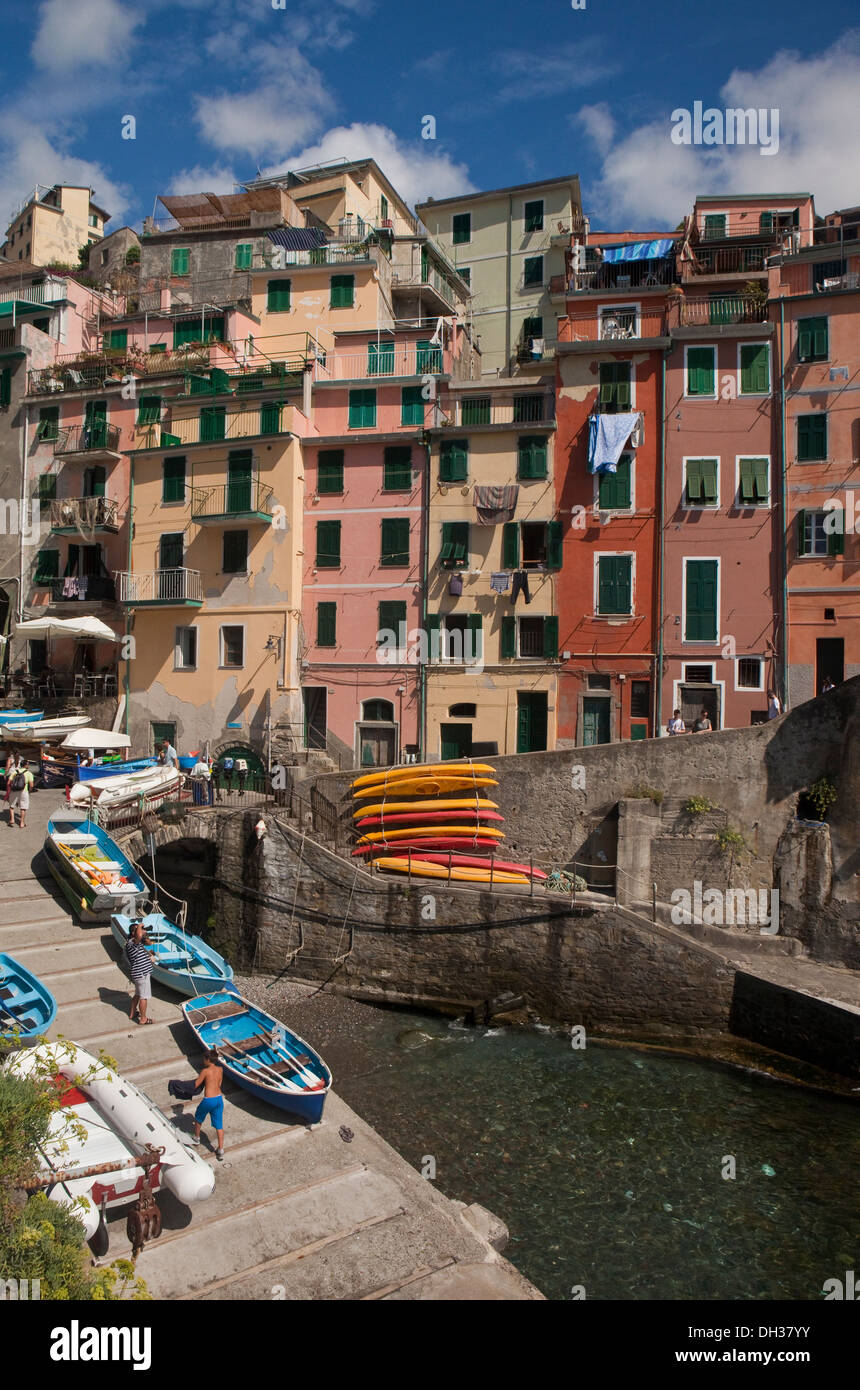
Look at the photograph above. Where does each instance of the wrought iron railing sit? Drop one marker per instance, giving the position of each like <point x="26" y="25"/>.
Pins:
<point x="83" y="589"/>
<point x="736" y="308"/>
<point x="99" y="437"/>
<point x="237" y="498"/>
<point x="160" y="586"/>
<point x="84" y="514"/>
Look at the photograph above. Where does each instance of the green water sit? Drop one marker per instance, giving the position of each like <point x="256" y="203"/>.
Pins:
<point x="606" y="1163"/>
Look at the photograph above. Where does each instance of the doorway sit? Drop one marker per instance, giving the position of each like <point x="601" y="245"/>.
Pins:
<point x="531" y="721"/>
<point x="315" y="699"/>
<point x="377" y="745"/>
<point x="596" y="726"/>
<point x="695" y="698"/>
<point x="456" y="741"/>
<point x="829" y="661"/>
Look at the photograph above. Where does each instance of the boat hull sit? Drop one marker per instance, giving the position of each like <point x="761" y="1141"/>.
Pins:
<point x="433" y="842"/>
<point x="102" y="770"/>
<point x="473" y="861"/>
<point x="27" y="1007"/>
<point x="153" y="784"/>
<point x="426" y="786"/>
<point x="411" y="808"/>
<point x="423" y="869"/>
<point x="92" y="898"/>
<point x="450" y="832"/>
<point x="212" y="972"/>
<point x="387" y="776"/>
<point x="451" y="817"/>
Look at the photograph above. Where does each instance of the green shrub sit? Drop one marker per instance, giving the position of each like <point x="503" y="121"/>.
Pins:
<point x="730" y="841"/>
<point x="641" y="792"/>
<point x="698" y="805"/>
<point x="822" y="794"/>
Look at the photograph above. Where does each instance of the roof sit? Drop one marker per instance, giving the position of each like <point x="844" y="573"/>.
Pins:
<point x="202" y="209"/>
<point x="572" y="179"/>
<point x="745" y="197"/>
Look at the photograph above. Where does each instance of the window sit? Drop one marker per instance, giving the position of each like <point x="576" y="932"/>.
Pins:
<point x="614" y="584"/>
<point x="825" y="270"/>
<point x="465" y="273"/>
<point x="532" y="327"/>
<point x="116" y="338"/>
<point x="328" y="545"/>
<point x="461" y="228"/>
<point x="411" y="405"/>
<point x="614" y="394"/>
<point x="180" y="258"/>
<point x="391" y="617"/>
<point x="753" y="484"/>
<point x="380" y="359"/>
<point x="383" y="208"/>
<point x="528" y="408"/>
<point x="5" y="388"/>
<point x="47" y="485"/>
<point x="454" y="553"/>
<point x="94" y="482"/>
<point x="698" y="675"/>
<point x="749" y="673"/>
<point x="533" y="215"/>
<point x="49" y="423"/>
<point x="170" y="550"/>
<point x="326" y="624"/>
<point x="755" y="369"/>
<point x="700" y="586"/>
<point x="213" y="423"/>
<point x="529" y="637"/>
<point x="811" y="437"/>
<point x="531" y="545"/>
<point x="701" y="371"/>
<point x="397" y="469"/>
<point x="600" y="682"/>
<point x="715" y="225"/>
<point x="454" y="461"/>
<point x="640" y="699"/>
<point x="533" y="271"/>
<point x="394" y="540"/>
<point x="149" y="410"/>
<point x="377" y="711"/>
<point x="270" y="418"/>
<point x="813" y="537"/>
<point x="475" y="410"/>
<point x="614" y="491"/>
<point x="93" y="220"/>
<point x="43" y="325"/>
<point x="278" y="296"/>
<point x="463" y="711"/>
<point x="160" y="732"/>
<point x="330" y="471"/>
<point x="427" y="357"/>
<point x="232" y="646"/>
<point x="235" y="552"/>
<point x="244" y="255"/>
<point x="173" y="479"/>
<point x="185" y="649"/>
<point x="531" y="456"/>
<point x="362" y="410"/>
<point x="47" y="566"/>
<point x="702" y="488"/>
<point x="812" y="340"/>
<point x="342" y="292"/>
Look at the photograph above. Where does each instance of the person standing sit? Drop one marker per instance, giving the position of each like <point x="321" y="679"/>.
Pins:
<point x="170" y="757"/>
<point x="676" y="724"/>
<point x="774" y="707"/>
<point x="703" y="724"/>
<point x="9" y="769"/>
<point x="211" y="1106"/>
<point x="200" y="778"/>
<point x="139" y="959"/>
<point x="20" y="783"/>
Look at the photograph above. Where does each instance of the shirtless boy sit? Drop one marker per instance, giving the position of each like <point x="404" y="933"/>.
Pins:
<point x="212" y="1104"/>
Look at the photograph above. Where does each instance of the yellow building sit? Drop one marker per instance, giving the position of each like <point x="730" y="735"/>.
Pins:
<point x="53" y="224"/>
<point x="493" y="539"/>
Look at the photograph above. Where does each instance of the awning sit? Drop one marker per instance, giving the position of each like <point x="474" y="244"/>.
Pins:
<point x="638" y="250"/>
<point x="97" y="739"/>
<point x="66" y="627"/>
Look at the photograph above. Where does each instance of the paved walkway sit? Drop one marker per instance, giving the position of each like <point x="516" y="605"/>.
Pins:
<point x="297" y="1212"/>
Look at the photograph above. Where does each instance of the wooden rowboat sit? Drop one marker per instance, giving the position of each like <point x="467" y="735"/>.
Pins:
<point x="27" y="1007"/>
<point x="91" y="870"/>
<point x="180" y="961"/>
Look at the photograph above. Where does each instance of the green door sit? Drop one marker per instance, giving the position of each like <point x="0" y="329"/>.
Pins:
<point x="456" y="741"/>
<point x="95" y="424"/>
<point x="531" y="721"/>
<point x="595" y="721"/>
<point x="239" y="475"/>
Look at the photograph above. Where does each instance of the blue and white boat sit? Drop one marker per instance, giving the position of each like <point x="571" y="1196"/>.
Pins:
<point x="27" y="1007"/>
<point x="91" y="870"/>
<point x="89" y="774"/>
<point x="181" y="962"/>
<point x="260" y="1054"/>
<point x="21" y="716"/>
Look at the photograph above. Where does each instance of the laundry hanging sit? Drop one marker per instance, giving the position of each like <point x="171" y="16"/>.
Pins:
<point x="608" y="436"/>
<point x="496" y="502"/>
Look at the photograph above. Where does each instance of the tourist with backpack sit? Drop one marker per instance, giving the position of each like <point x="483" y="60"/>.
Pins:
<point x="19" y="783"/>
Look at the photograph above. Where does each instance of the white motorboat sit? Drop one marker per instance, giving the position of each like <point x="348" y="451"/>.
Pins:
<point x="153" y="783"/>
<point x="42" y="730"/>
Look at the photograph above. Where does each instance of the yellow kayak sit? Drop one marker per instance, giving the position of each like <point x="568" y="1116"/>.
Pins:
<point x="428" y="786"/>
<point x="420" y="868"/>
<point x="391" y="774"/>
<point x="464" y="803"/>
<point x="466" y="832"/>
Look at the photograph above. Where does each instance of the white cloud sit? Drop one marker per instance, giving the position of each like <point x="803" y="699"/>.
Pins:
<point x="288" y="105"/>
<point x="31" y="154"/>
<point x="599" y="125"/>
<point x="416" y="169"/>
<point x="646" y="179"/>
<point x="85" y="33"/>
<point x="203" y="179"/>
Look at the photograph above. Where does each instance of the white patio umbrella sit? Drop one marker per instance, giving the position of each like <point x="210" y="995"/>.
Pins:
<point x="66" y="627"/>
<point x="96" y="739"/>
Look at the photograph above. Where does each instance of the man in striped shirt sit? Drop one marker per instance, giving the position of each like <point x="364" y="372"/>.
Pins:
<point x="140" y="967"/>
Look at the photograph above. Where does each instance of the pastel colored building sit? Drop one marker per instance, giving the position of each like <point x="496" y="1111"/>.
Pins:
<point x="53" y="224"/>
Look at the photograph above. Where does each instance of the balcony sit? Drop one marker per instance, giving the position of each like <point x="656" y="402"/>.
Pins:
<point x="23" y="298"/>
<point x="280" y="258"/>
<point x="624" y="324"/>
<point x="84" y="588"/>
<point x="245" y="499"/>
<point x="483" y="412"/>
<point x="723" y="309"/>
<point x="97" y="441"/>
<point x="726" y="260"/>
<point x="617" y="275"/>
<point x="170" y="588"/>
<point x="428" y="282"/>
<point x="84" y="515"/>
<point x="380" y="360"/>
<point x="269" y="418"/>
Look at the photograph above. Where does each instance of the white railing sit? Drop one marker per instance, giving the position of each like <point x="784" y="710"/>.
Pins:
<point x="48" y="292"/>
<point x="390" y="359"/>
<point x="160" y="586"/>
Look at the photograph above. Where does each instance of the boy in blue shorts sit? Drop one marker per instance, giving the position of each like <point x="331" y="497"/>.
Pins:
<point x="211" y="1106"/>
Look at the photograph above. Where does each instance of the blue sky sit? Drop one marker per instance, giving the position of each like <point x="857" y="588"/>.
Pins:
<point x="220" y="88"/>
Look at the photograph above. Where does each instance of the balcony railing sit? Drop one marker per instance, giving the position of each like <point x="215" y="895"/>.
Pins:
<point x="241" y="498"/>
<point x="614" y="325"/>
<point x="99" y="438"/>
<point x="49" y="291"/>
<point x="157" y="226"/>
<point x="174" y="586"/>
<point x="431" y="279"/>
<point x="279" y="258"/>
<point x="381" y="360"/>
<point x="836" y="233"/>
<point x="726" y="260"/>
<point x="471" y="412"/>
<point x="267" y="419"/>
<point x="726" y="226"/>
<point x="734" y="308"/>
<point x="7" y="338"/>
<point x="92" y="588"/>
<point x="618" y="275"/>
<point x="84" y="514"/>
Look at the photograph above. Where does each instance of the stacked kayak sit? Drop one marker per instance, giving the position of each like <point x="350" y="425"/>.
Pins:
<point x="434" y="821"/>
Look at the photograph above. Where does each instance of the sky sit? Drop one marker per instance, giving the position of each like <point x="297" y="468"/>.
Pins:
<point x="222" y="89"/>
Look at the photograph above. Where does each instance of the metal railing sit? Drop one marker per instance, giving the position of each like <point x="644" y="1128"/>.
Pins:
<point x="618" y="275"/>
<point x="85" y="588"/>
<point x="160" y="586"/>
<point x="49" y="291"/>
<point x="100" y="437"/>
<point x="725" y="226"/>
<point x="7" y="338"/>
<point x="281" y="258"/>
<point x="736" y="308"/>
<point x="237" y="499"/>
<point x="380" y="360"/>
<point x="836" y="234"/>
<point x="158" y="226"/>
<point x="84" y="514"/>
<point x="431" y="279"/>
<point x="725" y="260"/>
<point x="198" y="429"/>
<point x="483" y="410"/>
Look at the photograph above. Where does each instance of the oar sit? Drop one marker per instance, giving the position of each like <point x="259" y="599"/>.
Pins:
<point x="285" y="1056"/>
<point x="260" y="1068"/>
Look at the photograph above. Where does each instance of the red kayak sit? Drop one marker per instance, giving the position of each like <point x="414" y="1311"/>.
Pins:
<point x="472" y="861"/>
<point x="450" y="817"/>
<point x="431" y="842"/>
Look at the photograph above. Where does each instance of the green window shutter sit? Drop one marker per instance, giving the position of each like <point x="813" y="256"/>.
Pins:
<point x="326" y="624"/>
<point x="116" y="338"/>
<point x="328" y="545"/>
<point x="278" y="296"/>
<point x="509" y="636"/>
<point x="550" y="638"/>
<point x="811" y="437"/>
<point x="836" y="541"/>
<point x="762" y="482"/>
<point x="765" y="221"/>
<point x="270" y="418"/>
<point x="533" y="270"/>
<point x="170" y="551"/>
<point x="149" y="410"/>
<point x="614" y="489"/>
<point x="330" y="471"/>
<point x="49" y="423"/>
<point x="614" y="584"/>
<point x="411" y="406"/>
<point x="746" y="482"/>
<point x="342" y="295"/>
<point x="709" y="481"/>
<point x="395" y="541"/>
<point x="5" y="388"/>
<point x="553" y="545"/>
<point x="475" y="410"/>
<point x="47" y="485"/>
<point x="701" y="615"/>
<point x="213" y="422"/>
<point x="614" y="393"/>
<point x="235" y="559"/>
<point x="397" y="469"/>
<point x="427" y="357"/>
<point x="531" y="456"/>
<point x="715" y="225"/>
<point x="812" y="340"/>
<point x="362" y="410"/>
<point x="94" y="482"/>
<point x="462" y="228"/>
<point x="392" y="614"/>
<point x="455" y="545"/>
<point x="454" y="461"/>
<point x="47" y="566"/>
<point x="186" y="331"/>
<point x="801" y="533"/>
<point x="700" y="371"/>
<point x="755" y="369"/>
<point x="695" y="483"/>
<point x="173" y="479"/>
<point x="244" y="255"/>
<point x="511" y="545"/>
<point x="380" y="359"/>
<point x="180" y="258"/>
<point x="534" y="216"/>
<point x="475" y="625"/>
